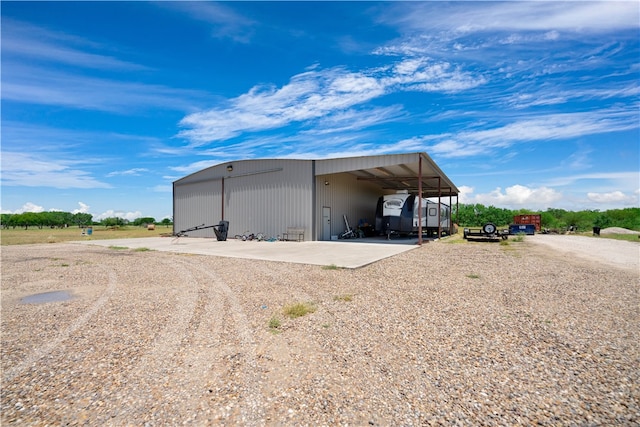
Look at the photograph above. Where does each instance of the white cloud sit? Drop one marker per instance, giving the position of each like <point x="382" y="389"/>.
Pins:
<point x="29" y="207"/>
<point x="26" y="40"/>
<point x="32" y="85"/>
<point x="27" y="76"/>
<point x="130" y="216"/>
<point x="547" y="16"/>
<point x="513" y="197"/>
<point x="129" y="172"/>
<point x="31" y="170"/>
<point x="84" y="208"/>
<point x="224" y="21"/>
<point x="318" y="94"/>
<point x="622" y="179"/>
<point x="545" y="128"/>
<point x="614" y="197"/>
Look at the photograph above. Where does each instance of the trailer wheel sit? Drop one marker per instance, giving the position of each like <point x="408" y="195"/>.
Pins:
<point x="489" y="228"/>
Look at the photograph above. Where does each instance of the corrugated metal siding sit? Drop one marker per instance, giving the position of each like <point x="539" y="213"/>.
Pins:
<point x="345" y="195"/>
<point x="264" y="196"/>
<point x="196" y="204"/>
<point x="331" y="166"/>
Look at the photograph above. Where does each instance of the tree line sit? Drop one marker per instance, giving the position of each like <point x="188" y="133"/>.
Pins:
<point x="476" y="215"/>
<point x="467" y="215"/>
<point x="57" y="219"/>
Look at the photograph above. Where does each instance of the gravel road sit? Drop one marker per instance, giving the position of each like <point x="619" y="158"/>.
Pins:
<point x="465" y="333"/>
<point x="616" y="253"/>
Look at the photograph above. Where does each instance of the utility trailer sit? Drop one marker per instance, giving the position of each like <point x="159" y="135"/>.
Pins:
<point x="489" y="231"/>
<point x="398" y="213"/>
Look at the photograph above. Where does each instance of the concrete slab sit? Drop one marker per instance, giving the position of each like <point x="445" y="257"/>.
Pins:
<point x="341" y="253"/>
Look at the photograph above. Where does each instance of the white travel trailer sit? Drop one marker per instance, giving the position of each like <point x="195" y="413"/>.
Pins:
<point x="398" y="213"/>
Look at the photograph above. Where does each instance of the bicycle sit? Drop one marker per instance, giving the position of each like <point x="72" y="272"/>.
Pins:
<point x="246" y="236"/>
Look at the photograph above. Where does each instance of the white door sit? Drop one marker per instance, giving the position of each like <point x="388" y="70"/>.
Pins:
<point x="326" y="223"/>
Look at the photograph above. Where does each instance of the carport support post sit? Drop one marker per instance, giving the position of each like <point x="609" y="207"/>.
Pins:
<point x="420" y="199"/>
<point x="450" y="216"/>
<point x="439" y="207"/>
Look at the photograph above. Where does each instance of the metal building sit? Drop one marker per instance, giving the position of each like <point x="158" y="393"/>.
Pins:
<point x="270" y="195"/>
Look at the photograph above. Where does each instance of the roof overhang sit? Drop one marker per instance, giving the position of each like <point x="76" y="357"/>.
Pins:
<point x="413" y="172"/>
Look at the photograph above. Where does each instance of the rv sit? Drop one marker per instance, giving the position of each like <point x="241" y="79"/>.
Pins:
<point x="398" y="213"/>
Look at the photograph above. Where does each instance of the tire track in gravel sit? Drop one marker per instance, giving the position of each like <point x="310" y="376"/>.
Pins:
<point x="44" y="350"/>
<point x="244" y="361"/>
<point x="173" y="378"/>
<point x="151" y="379"/>
<point x="199" y="348"/>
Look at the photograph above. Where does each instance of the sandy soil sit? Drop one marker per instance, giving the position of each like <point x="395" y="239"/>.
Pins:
<point x="470" y="333"/>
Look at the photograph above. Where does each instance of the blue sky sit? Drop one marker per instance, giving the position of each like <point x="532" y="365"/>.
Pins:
<point x="522" y="104"/>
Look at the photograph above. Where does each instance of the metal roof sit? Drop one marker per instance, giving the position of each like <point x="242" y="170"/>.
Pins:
<point x="395" y="172"/>
<point x="391" y="172"/>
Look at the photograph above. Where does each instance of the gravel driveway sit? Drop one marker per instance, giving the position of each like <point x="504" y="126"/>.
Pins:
<point x="616" y="253"/>
<point x="467" y="333"/>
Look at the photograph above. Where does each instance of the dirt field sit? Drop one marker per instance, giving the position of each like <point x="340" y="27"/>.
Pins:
<point x="446" y="334"/>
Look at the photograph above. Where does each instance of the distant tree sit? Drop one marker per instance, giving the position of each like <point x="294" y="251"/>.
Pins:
<point x="143" y="222"/>
<point x="603" y="220"/>
<point x="27" y="219"/>
<point x="166" y="222"/>
<point x="82" y="219"/>
<point x="476" y="215"/>
<point x="626" y="218"/>
<point x="5" y="219"/>
<point x="113" y="222"/>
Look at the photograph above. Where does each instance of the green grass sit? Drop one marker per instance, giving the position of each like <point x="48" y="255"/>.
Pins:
<point x="274" y="323"/>
<point x="627" y="237"/>
<point x="331" y="267"/>
<point x="141" y="249"/>
<point x="118" y="248"/>
<point x="298" y="309"/>
<point x="34" y="235"/>
<point x="473" y="276"/>
<point x="518" y="237"/>
<point x="455" y="238"/>
<point x="345" y="297"/>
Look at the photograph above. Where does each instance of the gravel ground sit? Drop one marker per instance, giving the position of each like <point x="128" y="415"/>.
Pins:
<point x="446" y="334"/>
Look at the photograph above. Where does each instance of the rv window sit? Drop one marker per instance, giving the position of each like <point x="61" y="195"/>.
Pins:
<point x="433" y="212"/>
<point x="393" y="203"/>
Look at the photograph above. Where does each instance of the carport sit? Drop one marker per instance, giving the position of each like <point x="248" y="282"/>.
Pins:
<point x="413" y="172"/>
